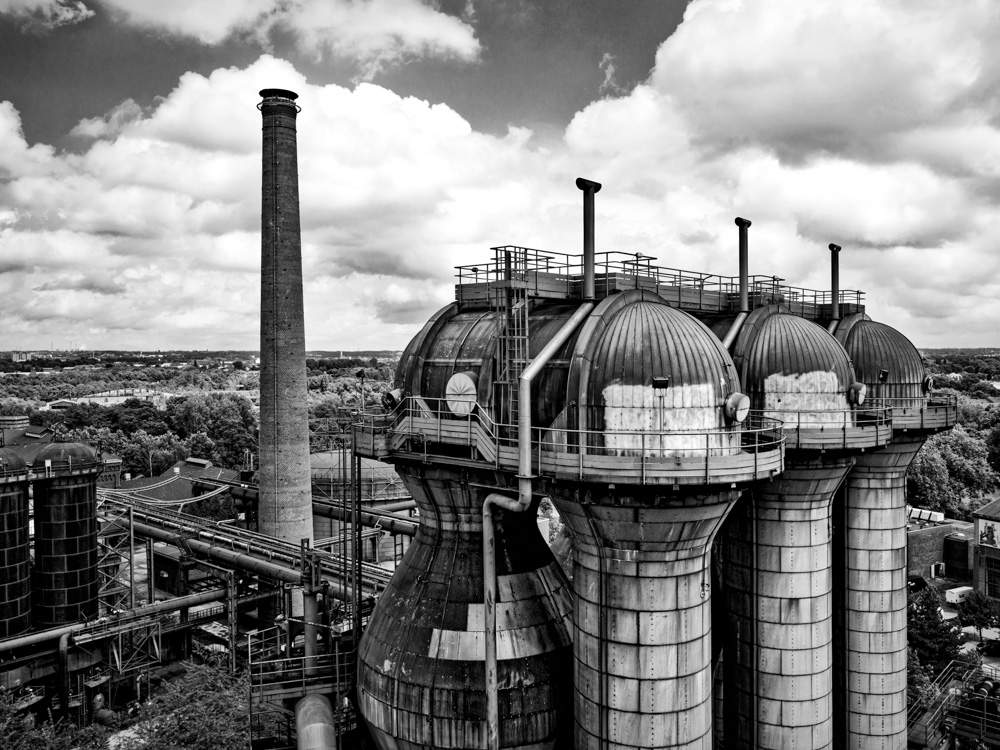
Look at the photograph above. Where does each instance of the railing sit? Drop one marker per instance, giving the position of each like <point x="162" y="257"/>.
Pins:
<point x="751" y="450"/>
<point x="868" y="426"/>
<point x="969" y="704"/>
<point x="279" y="667"/>
<point x="924" y="719"/>
<point x="541" y="271"/>
<point x="935" y="412"/>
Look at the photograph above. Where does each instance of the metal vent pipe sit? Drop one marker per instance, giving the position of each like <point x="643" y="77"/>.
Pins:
<point x="741" y="317"/>
<point x="589" y="187"/>
<point x="834" y="285"/>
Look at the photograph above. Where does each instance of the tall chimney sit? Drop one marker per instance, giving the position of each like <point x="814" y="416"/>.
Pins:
<point x="834" y="283"/>
<point x="285" y="507"/>
<point x="744" y="224"/>
<point x="589" y="187"/>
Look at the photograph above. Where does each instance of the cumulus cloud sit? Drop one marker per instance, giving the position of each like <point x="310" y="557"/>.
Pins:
<point x="151" y="230"/>
<point x="40" y="16"/>
<point x="374" y="33"/>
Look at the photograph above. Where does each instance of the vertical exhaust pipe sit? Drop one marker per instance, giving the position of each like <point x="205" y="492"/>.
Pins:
<point x="834" y="287"/>
<point x="744" y="225"/>
<point x="734" y="329"/>
<point x="285" y="506"/>
<point x="589" y="187"/>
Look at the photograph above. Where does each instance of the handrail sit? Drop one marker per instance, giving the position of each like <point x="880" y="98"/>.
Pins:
<point x="591" y="441"/>
<point x="525" y="265"/>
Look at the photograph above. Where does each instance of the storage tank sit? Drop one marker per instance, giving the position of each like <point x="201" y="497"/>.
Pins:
<point x="778" y="565"/>
<point x="870" y="634"/>
<point x="421" y="664"/>
<point x="15" y="575"/>
<point x="65" y="582"/>
<point x="656" y="400"/>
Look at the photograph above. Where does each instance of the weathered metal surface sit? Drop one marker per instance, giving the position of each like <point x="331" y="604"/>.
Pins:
<point x="421" y="678"/>
<point x="779" y="691"/>
<point x="65" y="581"/>
<point x="871" y="637"/>
<point x="642" y="615"/>
<point x="629" y="340"/>
<point x="285" y="508"/>
<point x="15" y="560"/>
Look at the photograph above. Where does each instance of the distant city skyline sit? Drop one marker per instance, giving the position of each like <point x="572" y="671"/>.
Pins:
<point x="130" y="155"/>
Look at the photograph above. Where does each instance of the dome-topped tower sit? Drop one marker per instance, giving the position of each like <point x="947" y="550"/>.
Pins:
<point x="871" y="642"/>
<point x="65" y="581"/>
<point x="777" y="553"/>
<point x="655" y="388"/>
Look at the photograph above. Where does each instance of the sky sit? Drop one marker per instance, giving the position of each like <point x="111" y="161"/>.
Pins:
<point x="432" y="131"/>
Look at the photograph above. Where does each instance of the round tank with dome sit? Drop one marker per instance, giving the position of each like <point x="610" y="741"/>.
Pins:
<point x="15" y="581"/>
<point x="65" y="580"/>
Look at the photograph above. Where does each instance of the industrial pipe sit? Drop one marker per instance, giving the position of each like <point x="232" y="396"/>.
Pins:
<point x="589" y="187"/>
<point x="744" y="225"/>
<point x="314" y="724"/>
<point x="744" y="313"/>
<point x="237" y="559"/>
<point x="386" y="522"/>
<point x="834" y="287"/>
<point x="64" y="675"/>
<point x="518" y="505"/>
<point x="169" y="605"/>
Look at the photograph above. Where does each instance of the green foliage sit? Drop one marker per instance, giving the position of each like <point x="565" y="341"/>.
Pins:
<point x="951" y="472"/>
<point x="207" y="709"/>
<point x="932" y="640"/>
<point x="920" y="689"/>
<point x="979" y="611"/>
<point x="19" y="731"/>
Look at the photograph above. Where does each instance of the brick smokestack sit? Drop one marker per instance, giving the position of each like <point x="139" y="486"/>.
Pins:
<point x="285" y="509"/>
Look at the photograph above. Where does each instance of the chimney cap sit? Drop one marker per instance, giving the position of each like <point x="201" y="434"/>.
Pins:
<point x="278" y="94"/>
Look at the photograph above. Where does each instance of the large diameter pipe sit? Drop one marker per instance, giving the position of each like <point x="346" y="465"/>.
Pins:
<point x="514" y="505"/>
<point x="589" y="187"/>
<point x="285" y="508"/>
<point x="170" y="605"/>
<point x="744" y="225"/>
<point x="372" y="520"/>
<point x="238" y="560"/>
<point x="834" y="286"/>
<point x="314" y="724"/>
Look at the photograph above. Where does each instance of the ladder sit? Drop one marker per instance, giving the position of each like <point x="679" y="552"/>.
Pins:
<point x="510" y="300"/>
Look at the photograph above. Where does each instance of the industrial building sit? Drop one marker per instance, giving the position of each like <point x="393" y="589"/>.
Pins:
<point x="728" y="454"/>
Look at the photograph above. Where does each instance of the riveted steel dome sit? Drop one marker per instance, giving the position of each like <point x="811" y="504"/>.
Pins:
<point x="641" y="366"/>
<point x="885" y="360"/>
<point x="10" y="461"/>
<point x="788" y="363"/>
<point x="66" y="455"/>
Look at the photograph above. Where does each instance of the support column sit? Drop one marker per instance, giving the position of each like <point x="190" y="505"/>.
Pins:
<point x="642" y="620"/>
<point x="873" y="635"/>
<point x="779" y="678"/>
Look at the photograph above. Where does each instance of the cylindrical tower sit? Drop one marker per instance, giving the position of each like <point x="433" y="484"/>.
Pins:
<point x="65" y="582"/>
<point x="421" y="664"/>
<point x="15" y="579"/>
<point x="870" y="636"/>
<point x="779" y="670"/>
<point x="655" y="394"/>
<point x="285" y="509"/>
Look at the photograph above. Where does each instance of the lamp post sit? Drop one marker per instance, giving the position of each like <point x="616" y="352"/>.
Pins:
<point x="361" y="374"/>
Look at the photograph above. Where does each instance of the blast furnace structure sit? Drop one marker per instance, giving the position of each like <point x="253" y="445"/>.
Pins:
<point x="647" y="403"/>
